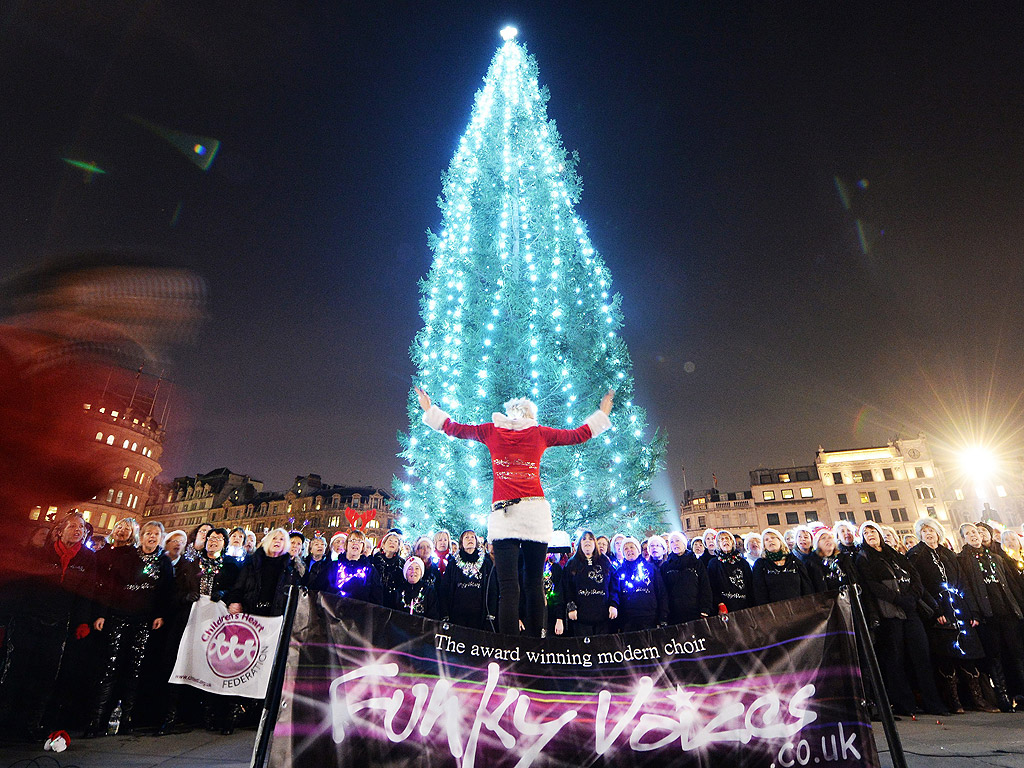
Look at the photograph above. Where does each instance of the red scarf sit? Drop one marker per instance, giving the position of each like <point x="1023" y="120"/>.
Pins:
<point x="66" y="555"/>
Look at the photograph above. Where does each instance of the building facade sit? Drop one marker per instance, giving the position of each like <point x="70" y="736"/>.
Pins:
<point x="788" y="496"/>
<point x="227" y="499"/>
<point x="126" y="429"/>
<point x="711" y="508"/>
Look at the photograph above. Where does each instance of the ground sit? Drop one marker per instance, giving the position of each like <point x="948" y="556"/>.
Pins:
<point x="973" y="739"/>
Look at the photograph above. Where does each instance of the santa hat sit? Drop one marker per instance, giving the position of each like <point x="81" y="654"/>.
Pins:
<point x="631" y="540"/>
<point x="872" y="524"/>
<point x="388" y="535"/>
<point x="57" y="741"/>
<point x="843" y="524"/>
<point x="930" y="522"/>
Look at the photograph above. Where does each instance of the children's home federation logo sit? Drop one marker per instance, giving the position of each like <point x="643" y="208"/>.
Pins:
<point x="233" y="649"/>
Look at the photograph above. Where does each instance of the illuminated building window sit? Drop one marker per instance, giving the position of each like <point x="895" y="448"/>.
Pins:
<point x="110" y="496"/>
<point x="35" y="513"/>
<point x="843" y="498"/>
<point x="126" y="443"/>
<point x="87" y="515"/>
<point x="868" y="497"/>
<point x="115" y="414"/>
<point x="112" y="521"/>
<point x="773" y="519"/>
<point x="1000" y="490"/>
<point x="887" y="473"/>
<point x="120" y="495"/>
<point x="51" y="514"/>
<point x="110" y="439"/>
<point x="103" y="520"/>
<point x="863" y="476"/>
<point x="99" y="435"/>
<point x="810" y="516"/>
<point x="135" y="504"/>
<point x="126" y="471"/>
<point x="137" y="473"/>
<point x="806" y="493"/>
<point x="787" y="493"/>
<point x="103" y="410"/>
<point x="87" y="406"/>
<point x="894" y="495"/>
<point x="769" y="495"/>
<point x="129" y="502"/>
<point x="135" y="446"/>
<point x="783" y="477"/>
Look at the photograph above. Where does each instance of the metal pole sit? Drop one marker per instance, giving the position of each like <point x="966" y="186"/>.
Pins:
<point x="860" y="630"/>
<point x="272" y="703"/>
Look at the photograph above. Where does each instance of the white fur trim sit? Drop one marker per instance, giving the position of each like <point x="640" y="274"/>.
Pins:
<point x="930" y="522"/>
<point x="529" y="520"/>
<point x="598" y="422"/>
<point x="504" y="422"/>
<point x="435" y="418"/>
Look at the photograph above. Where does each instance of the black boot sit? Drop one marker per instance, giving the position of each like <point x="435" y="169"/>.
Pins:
<point x="995" y="672"/>
<point x="979" y="703"/>
<point x="948" y="690"/>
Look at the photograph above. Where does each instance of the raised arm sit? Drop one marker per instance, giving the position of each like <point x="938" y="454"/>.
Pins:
<point x="594" y="425"/>
<point x="438" y="420"/>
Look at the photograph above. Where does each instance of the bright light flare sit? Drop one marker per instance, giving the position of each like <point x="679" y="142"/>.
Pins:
<point x="977" y="462"/>
<point x="508" y="33"/>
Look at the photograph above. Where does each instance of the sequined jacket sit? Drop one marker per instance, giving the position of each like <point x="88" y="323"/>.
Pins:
<point x="137" y="586"/>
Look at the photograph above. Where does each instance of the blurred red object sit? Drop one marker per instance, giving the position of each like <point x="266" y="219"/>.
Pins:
<point x="723" y="608"/>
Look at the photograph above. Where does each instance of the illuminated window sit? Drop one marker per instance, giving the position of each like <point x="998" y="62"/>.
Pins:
<point x="126" y="443"/>
<point x="51" y="514"/>
<point x="135" y="504"/>
<point x="783" y="477"/>
<point x="810" y="516"/>
<point x="863" y="476"/>
<point x="843" y="498"/>
<point x="35" y="513"/>
<point x="87" y="515"/>
<point x="867" y="497"/>
<point x="110" y="439"/>
<point x="135" y="446"/>
<point x="129" y="502"/>
<point x="124" y="476"/>
<point x="137" y="473"/>
<point x="103" y="410"/>
<point x="769" y="495"/>
<point x="87" y="406"/>
<point x="120" y="495"/>
<point x="103" y="520"/>
<point x="1001" y="490"/>
<point x="99" y="435"/>
<point x="115" y="414"/>
<point x="110" y="495"/>
<point x="112" y="521"/>
<point x="373" y="524"/>
<point x="806" y="493"/>
<point x="773" y="519"/>
<point x="787" y="493"/>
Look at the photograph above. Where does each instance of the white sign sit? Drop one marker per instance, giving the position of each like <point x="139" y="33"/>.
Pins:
<point x="225" y="654"/>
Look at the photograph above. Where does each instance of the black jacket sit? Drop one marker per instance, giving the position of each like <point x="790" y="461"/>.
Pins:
<point x="262" y="584"/>
<point x="589" y="587"/>
<point x="419" y="599"/>
<point x="773" y="581"/>
<point x="891" y="583"/>
<point x="391" y="579"/>
<point x="992" y="590"/>
<point x="731" y="583"/>
<point x="60" y="597"/>
<point x="687" y="587"/>
<point x="462" y="590"/>
<point x="838" y="572"/>
<point x="357" y="579"/>
<point x="642" y="595"/>
<point x="138" y="586"/>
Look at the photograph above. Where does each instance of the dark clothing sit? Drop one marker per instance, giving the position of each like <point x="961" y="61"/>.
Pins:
<point x="509" y="554"/>
<point x="687" y="587"/>
<point x="831" y="573"/>
<point x="462" y="588"/>
<point x="53" y="596"/>
<point x="643" y="603"/>
<point x="992" y="590"/>
<point x="418" y="599"/>
<point x="215" y="577"/>
<point x="262" y="584"/>
<point x="890" y="582"/>
<point x="553" y="601"/>
<point x="357" y="579"/>
<point x="943" y="580"/>
<point x="138" y="586"/>
<point x="392" y="582"/>
<point x="589" y="587"/>
<point x="705" y="558"/>
<point x="731" y="583"/>
<point x="775" y="580"/>
<point x="314" y="570"/>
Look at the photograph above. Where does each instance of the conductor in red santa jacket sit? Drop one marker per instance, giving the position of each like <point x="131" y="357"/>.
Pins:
<point x="520" y="520"/>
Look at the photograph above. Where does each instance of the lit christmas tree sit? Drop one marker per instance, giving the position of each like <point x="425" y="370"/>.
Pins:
<point x="518" y="303"/>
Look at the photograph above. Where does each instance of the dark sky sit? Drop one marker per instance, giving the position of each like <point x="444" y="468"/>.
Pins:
<point x="709" y="141"/>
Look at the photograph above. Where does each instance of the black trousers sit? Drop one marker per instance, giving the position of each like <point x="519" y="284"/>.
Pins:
<point x="513" y="557"/>
<point x="1001" y="639"/>
<point x="127" y="639"/>
<point x="903" y="644"/>
<point x="36" y="647"/>
<point x="584" y="629"/>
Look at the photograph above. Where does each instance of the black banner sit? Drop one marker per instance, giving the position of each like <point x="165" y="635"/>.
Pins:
<point x="775" y="686"/>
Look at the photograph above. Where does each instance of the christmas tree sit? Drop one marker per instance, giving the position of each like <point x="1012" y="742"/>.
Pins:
<point x="518" y="303"/>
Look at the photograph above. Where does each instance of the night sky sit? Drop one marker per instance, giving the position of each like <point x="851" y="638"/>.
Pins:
<point x="709" y="142"/>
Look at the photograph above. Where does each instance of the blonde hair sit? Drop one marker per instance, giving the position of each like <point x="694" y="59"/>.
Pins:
<point x="521" y="408"/>
<point x="265" y="544"/>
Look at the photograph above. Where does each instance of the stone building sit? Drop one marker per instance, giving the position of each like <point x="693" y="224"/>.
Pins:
<point x="716" y="509"/>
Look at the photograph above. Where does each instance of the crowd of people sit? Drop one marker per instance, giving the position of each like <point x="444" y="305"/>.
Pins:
<point x="91" y="633"/>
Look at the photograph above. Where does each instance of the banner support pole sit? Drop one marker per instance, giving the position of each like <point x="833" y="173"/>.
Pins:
<point x="860" y="631"/>
<point x="271" y="705"/>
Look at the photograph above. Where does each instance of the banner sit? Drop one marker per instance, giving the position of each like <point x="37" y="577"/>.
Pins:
<point x="774" y="686"/>
<point x="225" y="654"/>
